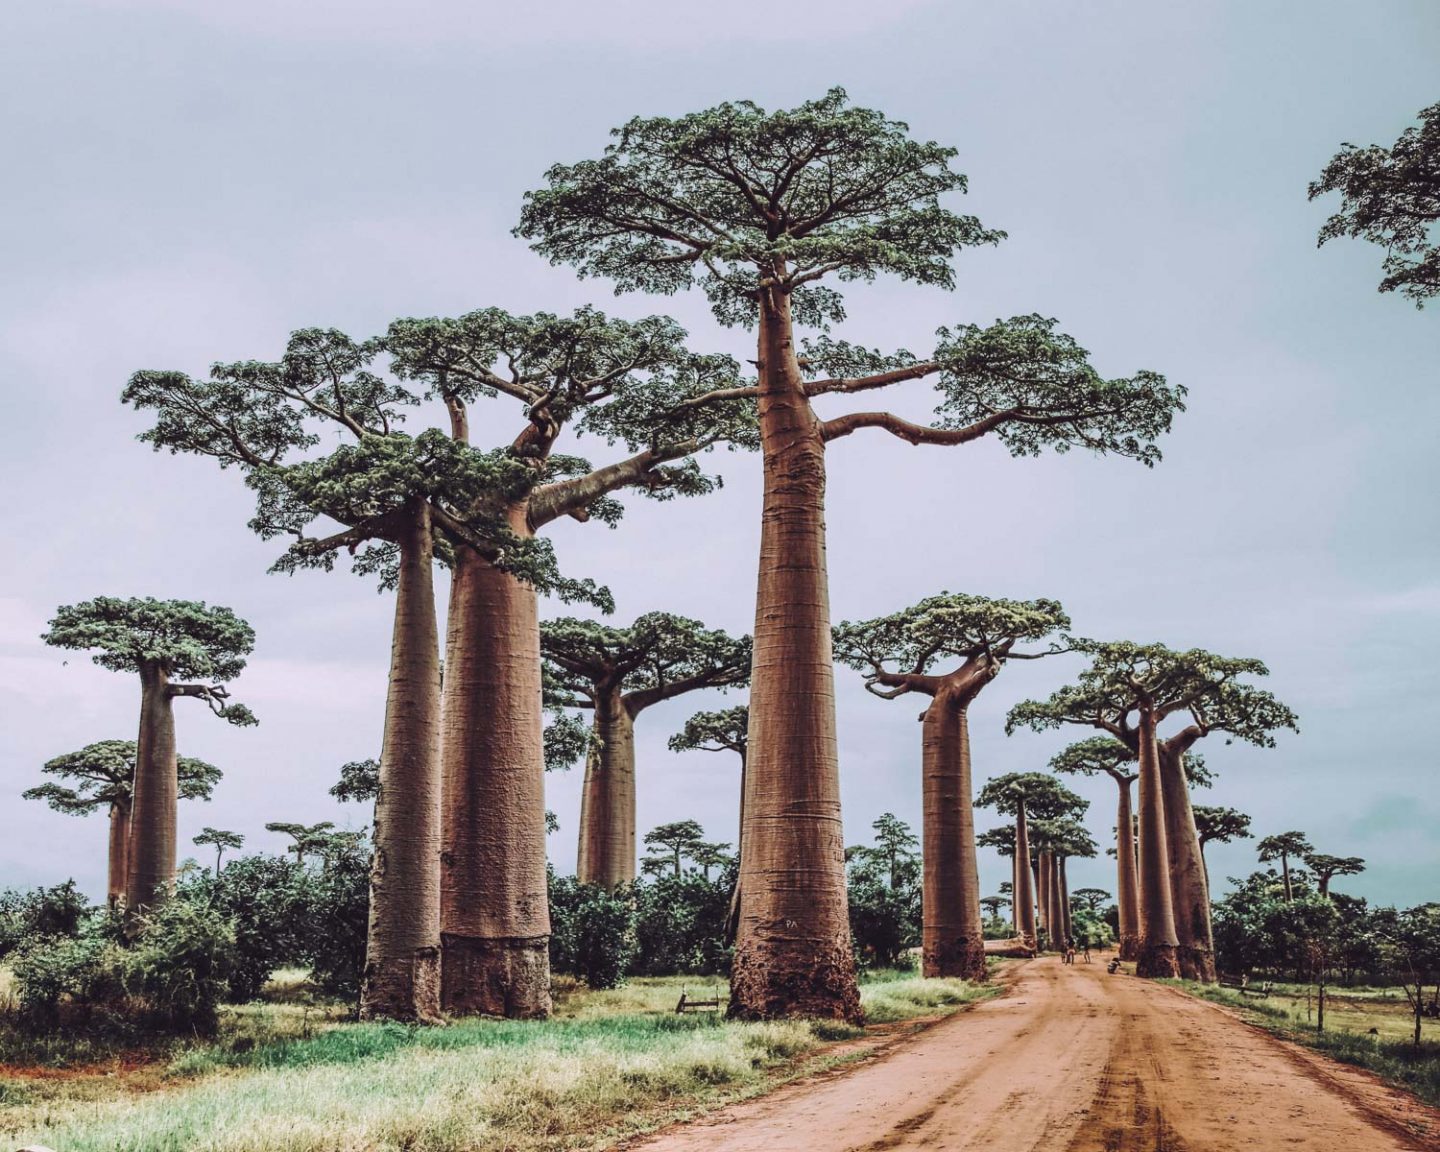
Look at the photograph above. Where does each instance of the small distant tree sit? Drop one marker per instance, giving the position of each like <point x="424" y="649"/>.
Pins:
<point x="1219" y="825"/>
<point x="1282" y="847"/>
<point x="993" y="905"/>
<point x="947" y="647"/>
<point x="676" y="841"/>
<point x="1325" y="868"/>
<point x="707" y="855"/>
<point x="103" y="775"/>
<point x="1091" y="899"/>
<point x="1391" y="197"/>
<point x="306" y="839"/>
<point x="161" y="641"/>
<point x="617" y="673"/>
<point x="220" y="840"/>
<point x="885" y="893"/>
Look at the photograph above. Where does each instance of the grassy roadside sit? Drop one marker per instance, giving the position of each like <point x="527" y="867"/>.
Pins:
<point x="1349" y="1017"/>
<point x="609" y="1065"/>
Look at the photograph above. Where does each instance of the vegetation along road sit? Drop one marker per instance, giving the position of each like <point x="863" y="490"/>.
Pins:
<point x="1074" y="1059"/>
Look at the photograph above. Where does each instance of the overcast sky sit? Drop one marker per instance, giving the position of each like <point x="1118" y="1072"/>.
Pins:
<point x="189" y="180"/>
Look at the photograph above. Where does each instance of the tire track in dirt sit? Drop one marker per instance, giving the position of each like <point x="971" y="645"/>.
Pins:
<point x="1074" y="1060"/>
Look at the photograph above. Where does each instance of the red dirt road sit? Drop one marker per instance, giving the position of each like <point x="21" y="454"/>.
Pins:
<point x="1071" y="1059"/>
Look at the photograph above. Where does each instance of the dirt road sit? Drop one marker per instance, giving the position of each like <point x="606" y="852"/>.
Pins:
<point x="1074" y="1060"/>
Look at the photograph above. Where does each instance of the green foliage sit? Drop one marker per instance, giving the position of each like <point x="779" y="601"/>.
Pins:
<point x="185" y="638"/>
<point x="723" y="197"/>
<point x="676" y="841"/>
<point x="1044" y="797"/>
<point x="883" y="883"/>
<point x="105" y="774"/>
<point x="170" y="978"/>
<point x="1282" y="846"/>
<point x="1090" y="899"/>
<point x="359" y="782"/>
<point x="656" y="658"/>
<point x="1325" y="868"/>
<point x="592" y="931"/>
<point x="567" y="740"/>
<point x="41" y="912"/>
<point x="1064" y="836"/>
<point x="1204" y="686"/>
<point x="1088" y="928"/>
<point x="1097" y="754"/>
<point x="335" y="917"/>
<point x="1216" y="824"/>
<point x="725" y="730"/>
<point x="680" y="924"/>
<point x="1391" y="197"/>
<point x="950" y="626"/>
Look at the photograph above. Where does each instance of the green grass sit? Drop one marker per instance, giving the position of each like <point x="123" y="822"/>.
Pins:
<point x="1350" y="1014"/>
<point x="609" y="1064"/>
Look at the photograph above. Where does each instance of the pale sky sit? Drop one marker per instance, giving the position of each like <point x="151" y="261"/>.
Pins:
<point x="190" y="180"/>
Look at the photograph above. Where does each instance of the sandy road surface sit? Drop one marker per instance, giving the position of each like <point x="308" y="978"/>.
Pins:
<point x="1074" y="1060"/>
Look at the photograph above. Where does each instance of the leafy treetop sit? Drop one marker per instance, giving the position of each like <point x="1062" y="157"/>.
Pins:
<point x="1327" y="867"/>
<point x="359" y="781"/>
<point x="1220" y="825"/>
<point x="1064" y="836"/>
<point x="897" y="652"/>
<point x="1044" y="797"/>
<point x="1283" y="845"/>
<point x="724" y="730"/>
<point x="747" y="203"/>
<point x="220" y="838"/>
<point x="104" y="773"/>
<point x="1124" y="678"/>
<point x="1090" y="898"/>
<point x="1097" y="754"/>
<point x="657" y="657"/>
<point x="1391" y="196"/>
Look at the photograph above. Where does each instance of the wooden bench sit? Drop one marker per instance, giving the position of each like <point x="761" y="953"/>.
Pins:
<point x="1242" y="985"/>
<point x="688" y="1005"/>
<point x="1264" y="990"/>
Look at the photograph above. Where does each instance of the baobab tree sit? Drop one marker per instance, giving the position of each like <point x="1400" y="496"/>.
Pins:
<point x="619" y="381"/>
<point x="970" y="638"/>
<point x="1219" y="825"/>
<point x="1091" y="899"/>
<point x="1391" y="197"/>
<point x="305" y="839"/>
<point x="1056" y="842"/>
<point x="1325" y="868"/>
<point x="103" y="775"/>
<point x="617" y="673"/>
<point x="993" y="905"/>
<point x="1152" y="683"/>
<point x="1282" y="847"/>
<point x="1108" y="755"/>
<point x="1025" y="796"/>
<point x="162" y="642"/>
<point x="220" y="839"/>
<point x="675" y="841"/>
<point x="758" y="208"/>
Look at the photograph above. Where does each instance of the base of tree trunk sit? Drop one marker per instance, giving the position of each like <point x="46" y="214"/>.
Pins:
<point x="1157" y="961"/>
<point x="962" y="959"/>
<point x="490" y="976"/>
<point x="405" y="989"/>
<point x="773" y="983"/>
<point x="1197" y="964"/>
<point x="1130" y="948"/>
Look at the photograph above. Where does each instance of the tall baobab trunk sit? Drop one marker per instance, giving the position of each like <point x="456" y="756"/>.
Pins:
<point x="402" y="956"/>
<point x="1285" y="871"/>
<point x="1042" y="887"/>
<point x="150" y="855"/>
<point x="1024" y="890"/>
<point x="1127" y="885"/>
<point x="494" y="906"/>
<point x="1157" y="917"/>
<point x="119" y="853"/>
<point x="607" y="800"/>
<point x="792" y="955"/>
<point x="732" y="915"/>
<point x="1063" y="895"/>
<point x="953" y="938"/>
<point x="1189" y="891"/>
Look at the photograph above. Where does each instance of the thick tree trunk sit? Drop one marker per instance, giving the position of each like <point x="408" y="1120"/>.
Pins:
<point x="1157" y="917"/>
<point x="1042" y="889"/>
<point x="792" y="954"/>
<point x="1063" y="893"/>
<point x="607" y="801"/>
<point x="953" y="938"/>
<point x="1127" y="885"/>
<point x="402" y="956"/>
<point x="1189" y="892"/>
<point x="1024" y="890"/>
<point x="119" y="854"/>
<point x="150" y="856"/>
<point x="494" y="906"/>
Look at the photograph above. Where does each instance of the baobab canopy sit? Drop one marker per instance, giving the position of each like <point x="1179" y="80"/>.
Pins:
<point x="104" y="773"/>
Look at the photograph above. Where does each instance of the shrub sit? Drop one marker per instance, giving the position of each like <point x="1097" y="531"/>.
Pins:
<point x="336" y="910"/>
<point x="592" y="931"/>
<point x="680" y="924"/>
<point x="24" y="916"/>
